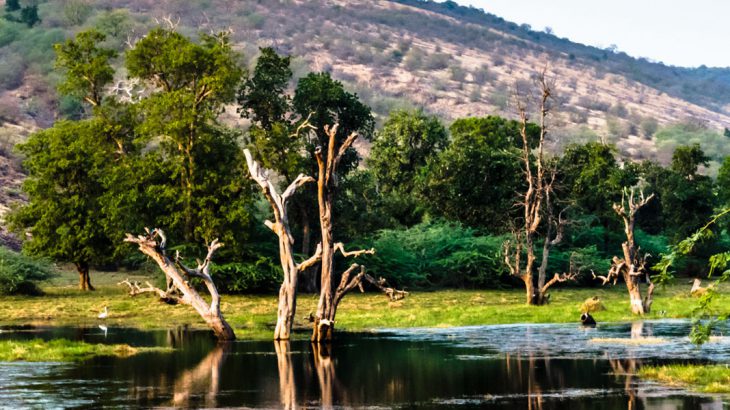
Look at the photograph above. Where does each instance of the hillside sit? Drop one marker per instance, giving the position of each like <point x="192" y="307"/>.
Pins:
<point x="453" y="61"/>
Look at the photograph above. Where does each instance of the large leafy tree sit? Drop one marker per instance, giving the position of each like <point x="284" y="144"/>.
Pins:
<point x="72" y="166"/>
<point x="408" y="140"/>
<point x="474" y="179"/>
<point x="192" y="82"/>
<point x="65" y="217"/>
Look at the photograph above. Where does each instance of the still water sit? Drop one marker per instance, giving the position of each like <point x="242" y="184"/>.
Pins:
<point x="492" y="367"/>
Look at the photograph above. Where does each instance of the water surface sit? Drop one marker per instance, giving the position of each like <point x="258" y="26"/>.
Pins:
<point x="493" y="367"/>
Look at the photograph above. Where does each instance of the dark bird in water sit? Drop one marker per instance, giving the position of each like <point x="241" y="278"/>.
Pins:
<point x="587" y="320"/>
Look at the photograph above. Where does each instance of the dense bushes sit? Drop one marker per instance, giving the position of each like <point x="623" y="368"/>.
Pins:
<point x="261" y="276"/>
<point x="20" y="274"/>
<point x="436" y="254"/>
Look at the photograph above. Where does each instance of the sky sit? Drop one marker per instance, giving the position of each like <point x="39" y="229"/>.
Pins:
<point x="681" y="33"/>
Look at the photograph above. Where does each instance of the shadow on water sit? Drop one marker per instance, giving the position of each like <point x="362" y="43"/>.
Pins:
<point x="496" y="367"/>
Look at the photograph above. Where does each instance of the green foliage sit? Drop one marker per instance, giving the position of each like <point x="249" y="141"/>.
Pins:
<point x="436" y="254"/>
<point x="474" y="179"/>
<point x="263" y="98"/>
<point x="20" y="274"/>
<point x="66" y="166"/>
<point x="688" y="134"/>
<point x="87" y="66"/>
<point x="702" y="328"/>
<point x="261" y="276"/>
<point x="404" y="146"/>
<point x="723" y="182"/>
<point x="325" y="102"/>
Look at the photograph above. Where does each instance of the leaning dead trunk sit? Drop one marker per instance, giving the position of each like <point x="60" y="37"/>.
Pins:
<point x="178" y="275"/>
<point x="288" y="290"/>
<point x="632" y="267"/>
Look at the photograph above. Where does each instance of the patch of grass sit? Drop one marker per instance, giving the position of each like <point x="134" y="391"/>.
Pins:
<point x="61" y="350"/>
<point x="254" y="316"/>
<point x="703" y="378"/>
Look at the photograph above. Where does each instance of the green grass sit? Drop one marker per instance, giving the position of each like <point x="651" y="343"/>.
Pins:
<point x="61" y="350"/>
<point x="254" y="317"/>
<point x="703" y="378"/>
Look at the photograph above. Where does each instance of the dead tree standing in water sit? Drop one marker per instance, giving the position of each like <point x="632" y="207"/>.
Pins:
<point x="632" y="267"/>
<point x="179" y="290"/>
<point x="538" y="204"/>
<point x="280" y="226"/>
<point x="330" y="297"/>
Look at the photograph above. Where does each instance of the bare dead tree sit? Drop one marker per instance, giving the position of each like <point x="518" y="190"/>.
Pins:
<point x="280" y="226"/>
<point x="330" y="297"/>
<point x="538" y="205"/>
<point x="632" y="267"/>
<point x="179" y="289"/>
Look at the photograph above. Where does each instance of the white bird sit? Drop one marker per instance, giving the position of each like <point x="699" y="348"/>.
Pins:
<point x="104" y="314"/>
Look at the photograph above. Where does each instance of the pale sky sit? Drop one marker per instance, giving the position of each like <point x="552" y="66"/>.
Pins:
<point x="676" y="32"/>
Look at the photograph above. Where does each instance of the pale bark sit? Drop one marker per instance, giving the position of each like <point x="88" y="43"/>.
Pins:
<point x="632" y="267"/>
<point x="537" y="204"/>
<point x="178" y="276"/>
<point x="287" y="386"/>
<point x="288" y="290"/>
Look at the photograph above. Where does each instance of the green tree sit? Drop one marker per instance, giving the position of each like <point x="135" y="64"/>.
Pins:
<point x="66" y="167"/>
<point x="723" y="182"/>
<point x="193" y="82"/>
<point x="29" y="15"/>
<point x="474" y="179"/>
<point x="88" y="67"/>
<point x="686" y="160"/>
<point x="12" y="5"/>
<point x="408" y="140"/>
<point x="262" y="97"/>
<point x="325" y="101"/>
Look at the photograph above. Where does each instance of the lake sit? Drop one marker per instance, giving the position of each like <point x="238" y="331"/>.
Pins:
<point x="560" y="366"/>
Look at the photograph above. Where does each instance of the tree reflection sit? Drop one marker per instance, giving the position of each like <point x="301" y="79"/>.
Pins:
<point x="202" y="380"/>
<point x="325" y="373"/>
<point x="287" y="386"/>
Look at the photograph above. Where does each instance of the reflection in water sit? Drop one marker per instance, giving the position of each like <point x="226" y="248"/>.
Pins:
<point x="202" y="380"/>
<point x="287" y="388"/>
<point x="466" y="368"/>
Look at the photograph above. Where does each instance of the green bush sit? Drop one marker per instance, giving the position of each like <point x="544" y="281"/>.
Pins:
<point x="20" y="274"/>
<point x="264" y="275"/>
<point x="441" y="254"/>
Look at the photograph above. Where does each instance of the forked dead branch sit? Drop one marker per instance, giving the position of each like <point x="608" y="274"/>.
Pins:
<point x="178" y="276"/>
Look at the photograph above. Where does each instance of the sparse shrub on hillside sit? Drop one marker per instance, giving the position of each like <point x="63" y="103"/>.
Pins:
<point x="619" y="110"/>
<point x="75" y="12"/>
<point x="712" y="142"/>
<point x="414" y="59"/>
<point x="648" y="127"/>
<point x="499" y="98"/>
<point x="481" y="75"/>
<point x="457" y="73"/>
<point x="12" y="69"/>
<point x="436" y="61"/>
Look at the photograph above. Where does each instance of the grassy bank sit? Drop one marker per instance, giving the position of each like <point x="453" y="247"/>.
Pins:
<point x="60" y="350"/>
<point x="703" y="378"/>
<point x="254" y="316"/>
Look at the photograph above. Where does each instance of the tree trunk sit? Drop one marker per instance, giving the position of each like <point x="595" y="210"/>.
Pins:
<point x="175" y="271"/>
<point x="288" y="290"/>
<point x="84" y="278"/>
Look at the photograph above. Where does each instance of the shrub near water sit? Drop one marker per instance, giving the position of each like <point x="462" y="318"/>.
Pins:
<point x="436" y="254"/>
<point x="20" y="274"/>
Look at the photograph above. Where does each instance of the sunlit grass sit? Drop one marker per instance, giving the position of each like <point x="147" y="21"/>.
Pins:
<point x="254" y="316"/>
<point x="61" y="350"/>
<point x="703" y="378"/>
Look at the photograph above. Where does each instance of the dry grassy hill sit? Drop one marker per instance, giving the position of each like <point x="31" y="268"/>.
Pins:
<point x="450" y="60"/>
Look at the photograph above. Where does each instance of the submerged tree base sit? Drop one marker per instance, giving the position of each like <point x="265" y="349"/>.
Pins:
<point x="62" y="350"/>
<point x="703" y="378"/>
